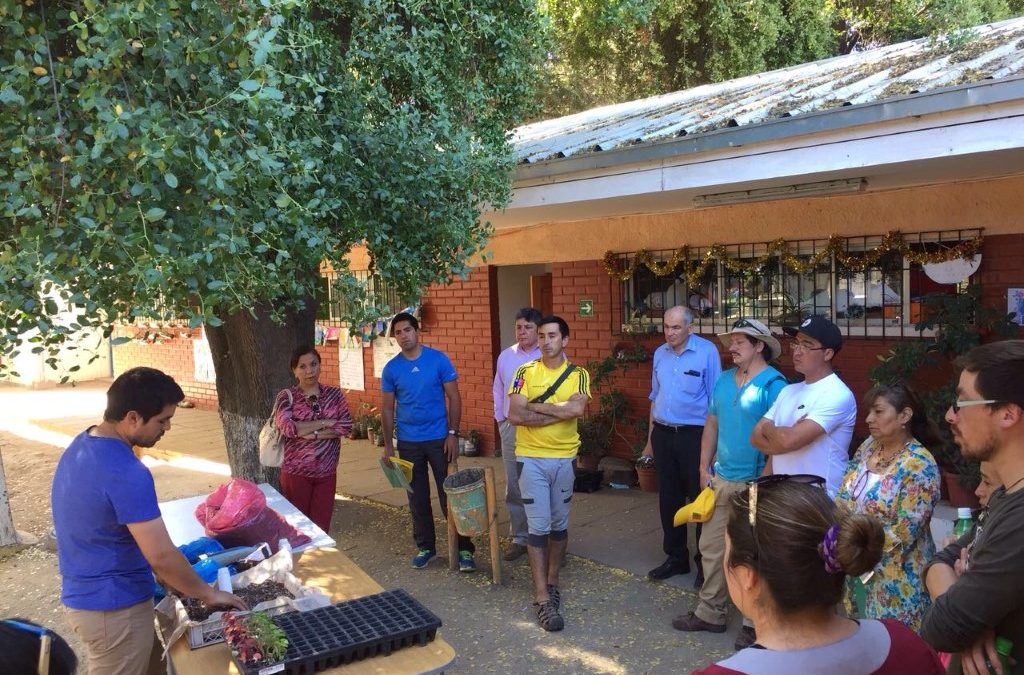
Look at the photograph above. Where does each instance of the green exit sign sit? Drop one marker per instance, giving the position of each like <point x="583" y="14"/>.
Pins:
<point x="586" y="308"/>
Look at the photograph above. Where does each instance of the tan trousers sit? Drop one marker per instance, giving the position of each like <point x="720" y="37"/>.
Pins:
<point x="714" y="594"/>
<point x="118" y="642"/>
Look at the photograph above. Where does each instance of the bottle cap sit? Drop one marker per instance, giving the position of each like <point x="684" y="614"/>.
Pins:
<point x="1004" y="646"/>
<point x="963" y="513"/>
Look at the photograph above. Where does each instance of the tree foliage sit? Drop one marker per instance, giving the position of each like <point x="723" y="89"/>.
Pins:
<point x="168" y="158"/>
<point x="608" y="51"/>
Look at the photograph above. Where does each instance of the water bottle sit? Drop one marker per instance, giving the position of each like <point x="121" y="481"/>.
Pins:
<point x="1004" y="648"/>
<point x="964" y="522"/>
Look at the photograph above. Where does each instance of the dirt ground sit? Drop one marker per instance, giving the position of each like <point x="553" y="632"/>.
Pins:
<point x="615" y="622"/>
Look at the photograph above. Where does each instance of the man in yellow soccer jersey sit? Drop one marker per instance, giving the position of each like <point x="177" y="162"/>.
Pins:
<point x="546" y="397"/>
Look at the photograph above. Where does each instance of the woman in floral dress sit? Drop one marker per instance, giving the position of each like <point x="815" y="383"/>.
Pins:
<point x="894" y="478"/>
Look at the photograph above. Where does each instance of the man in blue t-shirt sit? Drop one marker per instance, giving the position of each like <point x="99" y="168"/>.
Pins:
<point x="742" y="395"/>
<point x="414" y="387"/>
<point x="110" y="535"/>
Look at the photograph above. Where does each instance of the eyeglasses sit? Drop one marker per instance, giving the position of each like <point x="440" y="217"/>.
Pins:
<point x="860" y="485"/>
<point x="314" y="404"/>
<point x="799" y="346"/>
<point x="43" y="665"/>
<point x="764" y="481"/>
<point x="956" y="405"/>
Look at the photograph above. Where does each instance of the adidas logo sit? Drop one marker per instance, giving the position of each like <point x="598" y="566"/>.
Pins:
<point x="415" y="369"/>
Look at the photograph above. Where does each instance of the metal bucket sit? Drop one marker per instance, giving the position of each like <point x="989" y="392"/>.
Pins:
<point x="468" y="501"/>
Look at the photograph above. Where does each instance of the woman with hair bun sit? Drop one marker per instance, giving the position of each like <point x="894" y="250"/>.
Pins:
<point x="894" y="478"/>
<point x="788" y="550"/>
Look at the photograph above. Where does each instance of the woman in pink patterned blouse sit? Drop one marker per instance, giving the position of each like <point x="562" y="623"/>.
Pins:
<point x="312" y="426"/>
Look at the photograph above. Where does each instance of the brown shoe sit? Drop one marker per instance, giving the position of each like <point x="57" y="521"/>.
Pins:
<point x="690" y="622"/>
<point x="514" y="552"/>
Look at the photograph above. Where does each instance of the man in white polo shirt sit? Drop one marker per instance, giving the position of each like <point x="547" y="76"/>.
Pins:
<point x="809" y="427"/>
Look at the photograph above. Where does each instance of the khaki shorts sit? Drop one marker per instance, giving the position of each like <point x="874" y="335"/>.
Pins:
<point x="118" y="642"/>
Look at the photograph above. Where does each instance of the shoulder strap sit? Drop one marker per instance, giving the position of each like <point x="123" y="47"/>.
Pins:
<point x="554" y="387"/>
<point x="273" y="412"/>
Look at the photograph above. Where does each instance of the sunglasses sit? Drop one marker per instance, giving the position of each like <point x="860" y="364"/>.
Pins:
<point x="43" y="665"/>
<point x="314" y="404"/>
<point x="956" y="405"/>
<point x="743" y="323"/>
<point x="773" y="479"/>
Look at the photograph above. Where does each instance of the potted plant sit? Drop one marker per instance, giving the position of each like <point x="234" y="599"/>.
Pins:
<point x="471" y="443"/>
<point x="255" y="641"/>
<point x="374" y="425"/>
<point x="646" y="475"/>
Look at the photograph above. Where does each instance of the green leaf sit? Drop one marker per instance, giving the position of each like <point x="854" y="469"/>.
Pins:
<point x="249" y="85"/>
<point x="155" y="213"/>
<point x="171" y="180"/>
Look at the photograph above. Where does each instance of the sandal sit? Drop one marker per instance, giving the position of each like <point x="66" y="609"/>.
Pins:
<point x="555" y="596"/>
<point x="548" y="616"/>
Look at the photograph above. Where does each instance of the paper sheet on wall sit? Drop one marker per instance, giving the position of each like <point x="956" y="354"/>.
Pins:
<point x="350" y="365"/>
<point x="384" y="349"/>
<point x="202" y="358"/>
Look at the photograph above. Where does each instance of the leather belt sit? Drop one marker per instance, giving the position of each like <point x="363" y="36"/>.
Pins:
<point x="676" y="428"/>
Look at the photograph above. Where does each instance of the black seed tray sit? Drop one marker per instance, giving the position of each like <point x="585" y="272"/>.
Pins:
<point x="356" y="629"/>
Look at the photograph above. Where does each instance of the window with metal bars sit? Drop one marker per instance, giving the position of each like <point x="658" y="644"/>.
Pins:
<point x="864" y="291"/>
<point x="333" y="304"/>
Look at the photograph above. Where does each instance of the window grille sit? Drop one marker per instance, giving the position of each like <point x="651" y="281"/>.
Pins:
<point x="882" y="299"/>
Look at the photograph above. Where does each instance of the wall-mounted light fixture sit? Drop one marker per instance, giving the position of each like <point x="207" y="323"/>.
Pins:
<point x="828" y="187"/>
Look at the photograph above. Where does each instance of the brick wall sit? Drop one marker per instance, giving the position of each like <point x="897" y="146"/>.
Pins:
<point x="460" y="319"/>
<point x="170" y="350"/>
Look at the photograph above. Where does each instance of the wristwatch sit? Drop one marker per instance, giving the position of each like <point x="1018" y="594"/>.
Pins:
<point x="453" y="432"/>
<point x="316" y="433"/>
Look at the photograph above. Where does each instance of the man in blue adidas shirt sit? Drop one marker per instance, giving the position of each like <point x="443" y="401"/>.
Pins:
<point x="414" y="387"/>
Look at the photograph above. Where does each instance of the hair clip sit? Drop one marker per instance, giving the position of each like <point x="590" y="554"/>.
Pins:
<point x="829" y="549"/>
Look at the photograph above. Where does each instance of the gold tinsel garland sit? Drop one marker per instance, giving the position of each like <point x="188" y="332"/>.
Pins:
<point x="623" y="269"/>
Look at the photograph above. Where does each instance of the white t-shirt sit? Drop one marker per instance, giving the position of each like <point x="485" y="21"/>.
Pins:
<point x="830" y="404"/>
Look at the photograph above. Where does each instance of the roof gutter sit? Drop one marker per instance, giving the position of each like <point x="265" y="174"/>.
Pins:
<point x="986" y="92"/>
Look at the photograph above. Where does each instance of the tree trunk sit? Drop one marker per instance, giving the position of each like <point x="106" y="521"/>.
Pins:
<point x="251" y="360"/>
<point x="8" y="535"/>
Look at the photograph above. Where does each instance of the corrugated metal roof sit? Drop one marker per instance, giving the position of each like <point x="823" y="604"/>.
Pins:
<point x="995" y="52"/>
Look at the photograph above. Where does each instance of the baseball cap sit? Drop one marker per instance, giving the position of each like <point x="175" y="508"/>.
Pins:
<point x="819" y="328"/>
<point x="756" y="330"/>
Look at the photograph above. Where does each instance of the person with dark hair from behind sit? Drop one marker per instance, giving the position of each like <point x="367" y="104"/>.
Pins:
<point x="986" y="601"/>
<point x="894" y="478"/>
<point x="312" y="418"/>
<point x="111" y="538"/>
<point x="26" y="646"/>
<point x="523" y="351"/>
<point x="788" y="551"/>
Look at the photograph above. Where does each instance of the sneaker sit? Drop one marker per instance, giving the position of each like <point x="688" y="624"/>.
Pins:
<point x="466" y="562"/>
<point x="690" y="622"/>
<point x="422" y="558"/>
<point x="548" y="617"/>
<point x="514" y="552"/>
<point x="745" y="638"/>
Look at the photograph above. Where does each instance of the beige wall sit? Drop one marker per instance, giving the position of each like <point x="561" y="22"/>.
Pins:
<point x="994" y="205"/>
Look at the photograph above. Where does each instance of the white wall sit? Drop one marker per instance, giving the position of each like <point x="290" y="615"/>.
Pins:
<point x="514" y="294"/>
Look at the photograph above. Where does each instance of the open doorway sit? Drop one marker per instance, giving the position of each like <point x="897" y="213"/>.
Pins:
<point x="521" y="286"/>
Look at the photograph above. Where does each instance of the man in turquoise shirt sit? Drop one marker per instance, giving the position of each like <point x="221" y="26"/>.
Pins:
<point x="742" y="395"/>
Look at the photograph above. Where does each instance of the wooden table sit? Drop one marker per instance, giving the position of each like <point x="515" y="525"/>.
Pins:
<point x="333" y="572"/>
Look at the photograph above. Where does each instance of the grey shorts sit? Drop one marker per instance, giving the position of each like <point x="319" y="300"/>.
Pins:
<point x="546" y="485"/>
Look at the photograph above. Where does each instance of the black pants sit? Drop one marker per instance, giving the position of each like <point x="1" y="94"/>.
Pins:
<point x="424" y="454"/>
<point x="677" y="461"/>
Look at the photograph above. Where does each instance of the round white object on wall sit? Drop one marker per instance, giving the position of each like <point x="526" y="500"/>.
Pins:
<point x="952" y="271"/>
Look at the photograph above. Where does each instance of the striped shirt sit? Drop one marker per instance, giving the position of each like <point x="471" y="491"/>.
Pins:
<point x="309" y="457"/>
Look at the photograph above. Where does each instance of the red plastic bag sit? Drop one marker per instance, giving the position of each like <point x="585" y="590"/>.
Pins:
<point x="231" y="505"/>
<point x="236" y="514"/>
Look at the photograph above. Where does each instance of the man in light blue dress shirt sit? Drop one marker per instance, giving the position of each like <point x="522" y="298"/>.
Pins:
<point x="685" y="370"/>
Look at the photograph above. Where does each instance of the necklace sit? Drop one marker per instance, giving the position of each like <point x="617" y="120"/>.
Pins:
<point x="881" y="460"/>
